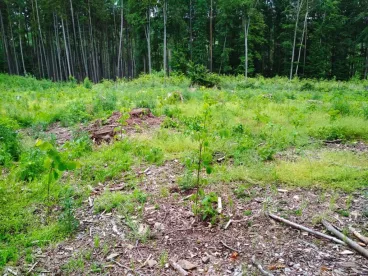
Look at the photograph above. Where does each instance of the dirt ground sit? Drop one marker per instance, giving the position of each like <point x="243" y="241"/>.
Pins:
<point x="224" y="249"/>
<point x="214" y="250"/>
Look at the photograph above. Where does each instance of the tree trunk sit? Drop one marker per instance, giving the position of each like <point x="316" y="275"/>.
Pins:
<point x="147" y="31"/>
<point x="301" y="41"/>
<point x="66" y="48"/>
<point x="294" y="43"/>
<point x="120" y="37"/>
<point x="14" y="50"/>
<point x="41" y="40"/>
<point x="21" y="47"/>
<point x="5" y="42"/>
<point x="246" y="23"/>
<point x="211" y="37"/>
<point x="165" y="37"/>
<point x="366" y="64"/>
<point x="84" y="57"/>
<point x="190" y="30"/>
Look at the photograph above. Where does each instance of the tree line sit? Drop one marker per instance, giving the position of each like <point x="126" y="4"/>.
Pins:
<point x="108" y="39"/>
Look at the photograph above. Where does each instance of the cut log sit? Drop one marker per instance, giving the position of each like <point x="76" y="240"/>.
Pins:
<point x="301" y="227"/>
<point x="347" y="240"/>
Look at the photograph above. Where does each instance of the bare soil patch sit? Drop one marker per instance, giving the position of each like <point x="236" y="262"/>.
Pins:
<point x="176" y="234"/>
<point x="62" y="134"/>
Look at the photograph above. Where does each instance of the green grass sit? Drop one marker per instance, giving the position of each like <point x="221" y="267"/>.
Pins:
<point x="251" y="122"/>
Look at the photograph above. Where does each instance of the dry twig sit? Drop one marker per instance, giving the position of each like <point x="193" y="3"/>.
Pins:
<point x="301" y="227"/>
<point x="348" y="241"/>
<point x="358" y="235"/>
<point x="33" y="266"/>
<point x="228" y="247"/>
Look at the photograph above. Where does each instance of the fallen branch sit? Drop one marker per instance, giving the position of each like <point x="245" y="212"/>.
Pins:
<point x="33" y="266"/>
<point x="149" y="257"/>
<point x="348" y="241"/>
<point x="259" y="266"/>
<point x="301" y="227"/>
<point x="123" y="266"/>
<point x="358" y="235"/>
<point x="178" y="268"/>
<point x="228" y="247"/>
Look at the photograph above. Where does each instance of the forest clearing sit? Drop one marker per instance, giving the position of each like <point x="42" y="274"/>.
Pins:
<point x="155" y="176"/>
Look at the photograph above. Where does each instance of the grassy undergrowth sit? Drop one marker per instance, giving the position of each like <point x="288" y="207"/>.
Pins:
<point x="251" y="123"/>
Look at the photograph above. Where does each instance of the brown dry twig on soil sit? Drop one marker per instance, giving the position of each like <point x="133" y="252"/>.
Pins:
<point x="348" y="241"/>
<point x="301" y="227"/>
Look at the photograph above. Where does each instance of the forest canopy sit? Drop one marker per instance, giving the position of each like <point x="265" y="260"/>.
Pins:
<point x="109" y="39"/>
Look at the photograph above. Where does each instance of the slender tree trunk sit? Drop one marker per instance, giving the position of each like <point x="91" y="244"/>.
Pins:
<point x="147" y="31"/>
<point x="223" y="52"/>
<point x="84" y="58"/>
<point x="300" y="3"/>
<point x="14" y="50"/>
<point x="366" y="63"/>
<point x="190" y="30"/>
<point x="211" y="37"/>
<point x="120" y="37"/>
<point x="41" y="40"/>
<point x="165" y="37"/>
<point x="305" y="50"/>
<point x="21" y="47"/>
<point x="5" y="42"/>
<point x="66" y="48"/>
<point x="301" y="41"/>
<point x="246" y="23"/>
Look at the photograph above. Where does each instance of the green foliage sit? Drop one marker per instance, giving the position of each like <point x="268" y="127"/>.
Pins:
<point x="67" y="219"/>
<point x="207" y="206"/>
<point x="87" y="83"/>
<point x="9" y="145"/>
<point x="199" y="75"/>
<point x="31" y="164"/>
<point x="76" y="112"/>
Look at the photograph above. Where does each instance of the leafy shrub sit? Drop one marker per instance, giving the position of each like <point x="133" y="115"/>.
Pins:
<point x="171" y="112"/>
<point x="80" y="144"/>
<point x="206" y="208"/>
<point x="170" y="123"/>
<point x="87" y="83"/>
<point x="307" y="87"/>
<point x="105" y="102"/>
<point x="342" y="106"/>
<point x="199" y="75"/>
<point x="331" y="133"/>
<point x="365" y="112"/>
<point x="9" y="145"/>
<point x="31" y="164"/>
<point x="67" y="219"/>
<point x="266" y="152"/>
<point x="75" y="112"/>
<point x="187" y="181"/>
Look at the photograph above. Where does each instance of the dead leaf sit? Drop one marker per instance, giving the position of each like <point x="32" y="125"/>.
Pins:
<point x="234" y="256"/>
<point x="276" y="266"/>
